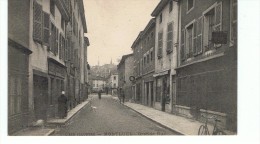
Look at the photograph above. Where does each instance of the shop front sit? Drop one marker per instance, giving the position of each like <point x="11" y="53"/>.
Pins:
<point x="56" y="77"/>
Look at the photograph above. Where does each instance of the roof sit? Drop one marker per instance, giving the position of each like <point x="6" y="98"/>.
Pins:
<point x="150" y="24"/>
<point x="94" y="77"/>
<point x="137" y="39"/>
<point x="124" y="57"/>
<point x="160" y="6"/>
<point x="82" y="14"/>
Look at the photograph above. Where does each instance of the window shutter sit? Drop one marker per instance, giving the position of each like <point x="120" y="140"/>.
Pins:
<point x="199" y="34"/>
<point x="60" y="47"/>
<point x="218" y="20"/>
<point x="169" y="38"/>
<point x="46" y="29"/>
<point x="194" y="38"/>
<point x="182" y="44"/>
<point x="66" y="50"/>
<point x="159" y="54"/>
<point x="37" y="22"/>
<point x="57" y="41"/>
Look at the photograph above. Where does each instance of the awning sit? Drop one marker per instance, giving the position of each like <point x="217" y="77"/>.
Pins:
<point x="161" y="73"/>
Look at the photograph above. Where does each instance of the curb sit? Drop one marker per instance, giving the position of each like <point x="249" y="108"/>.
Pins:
<point x="50" y="132"/>
<point x="68" y="120"/>
<point x="162" y="125"/>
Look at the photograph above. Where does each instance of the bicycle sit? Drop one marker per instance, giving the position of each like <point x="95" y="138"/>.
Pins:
<point x="203" y="130"/>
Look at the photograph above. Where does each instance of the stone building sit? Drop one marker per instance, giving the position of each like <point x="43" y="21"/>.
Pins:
<point x="166" y="39"/>
<point x="53" y="32"/>
<point x="18" y="65"/>
<point x="207" y="61"/>
<point x="125" y="70"/>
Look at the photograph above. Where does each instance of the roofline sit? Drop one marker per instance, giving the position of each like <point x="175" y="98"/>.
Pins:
<point x="124" y="57"/>
<point x="160" y="6"/>
<point x="137" y="39"/>
<point x="150" y="24"/>
<point x="82" y="14"/>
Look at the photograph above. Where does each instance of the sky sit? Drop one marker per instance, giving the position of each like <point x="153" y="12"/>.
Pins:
<point x="113" y="25"/>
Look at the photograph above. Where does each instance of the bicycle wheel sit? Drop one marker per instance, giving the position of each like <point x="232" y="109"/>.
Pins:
<point x="203" y="130"/>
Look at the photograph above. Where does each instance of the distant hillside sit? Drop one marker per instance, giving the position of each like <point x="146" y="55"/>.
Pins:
<point x="103" y="71"/>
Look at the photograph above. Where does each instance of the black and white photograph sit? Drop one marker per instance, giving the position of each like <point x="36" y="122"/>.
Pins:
<point x="126" y="68"/>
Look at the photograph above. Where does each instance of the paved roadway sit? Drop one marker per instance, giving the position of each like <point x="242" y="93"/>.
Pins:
<point x="110" y="118"/>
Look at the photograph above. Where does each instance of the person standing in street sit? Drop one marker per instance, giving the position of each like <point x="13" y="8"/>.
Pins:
<point x="123" y="95"/>
<point x="99" y="94"/>
<point x="62" y="105"/>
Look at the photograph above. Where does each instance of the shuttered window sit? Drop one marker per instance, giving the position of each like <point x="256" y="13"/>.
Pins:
<point x="199" y="34"/>
<point x="52" y="37"/>
<point x="182" y="52"/>
<point x="218" y="21"/>
<point x="233" y="29"/>
<point x="37" y="22"/>
<point x="189" y="40"/>
<point x="169" y="38"/>
<point x="160" y="44"/>
<point x="57" y="42"/>
<point x="194" y="38"/>
<point x="46" y="29"/>
<point x="60" y="47"/>
<point x="66" y="50"/>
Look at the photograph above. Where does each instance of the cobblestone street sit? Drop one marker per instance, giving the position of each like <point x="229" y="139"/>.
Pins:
<point x="110" y="118"/>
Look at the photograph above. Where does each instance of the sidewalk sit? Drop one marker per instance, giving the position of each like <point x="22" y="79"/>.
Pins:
<point x="179" y="124"/>
<point x="34" y="131"/>
<point x="46" y="131"/>
<point x="71" y="113"/>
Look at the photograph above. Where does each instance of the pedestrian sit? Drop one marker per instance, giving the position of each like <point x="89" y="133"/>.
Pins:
<point x="123" y="95"/>
<point x="62" y="105"/>
<point x="99" y="94"/>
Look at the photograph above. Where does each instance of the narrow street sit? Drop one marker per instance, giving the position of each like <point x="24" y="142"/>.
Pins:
<point x="110" y="118"/>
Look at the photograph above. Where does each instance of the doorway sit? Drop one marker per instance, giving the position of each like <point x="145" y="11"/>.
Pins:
<point x="40" y="85"/>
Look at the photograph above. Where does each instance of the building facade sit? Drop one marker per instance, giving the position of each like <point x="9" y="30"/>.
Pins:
<point x="18" y="65"/>
<point x="112" y="84"/>
<point x="207" y="65"/>
<point x="98" y="83"/>
<point x="53" y="32"/>
<point x="138" y="60"/>
<point x="166" y="42"/>
<point x="125" y="71"/>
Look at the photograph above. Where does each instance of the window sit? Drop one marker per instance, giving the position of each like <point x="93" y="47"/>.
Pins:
<point x="62" y="23"/>
<point x="161" y="18"/>
<point x="190" y="5"/>
<point x="114" y="77"/>
<point x="212" y="22"/>
<point x="182" y="51"/>
<point x="151" y="35"/>
<point x="170" y="6"/>
<point x="52" y="38"/>
<point x="160" y="44"/>
<point x="151" y="55"/>
<point x="148" y="58"/>
<point x="114" y="85"/>
<point x="37" y="22"/>
<point x="233" y="29"/>
<point x="169" y="38"/>
<point x="188" y="43"/>
<point x="46" y="29"/>
<point x="52" y="8"/>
